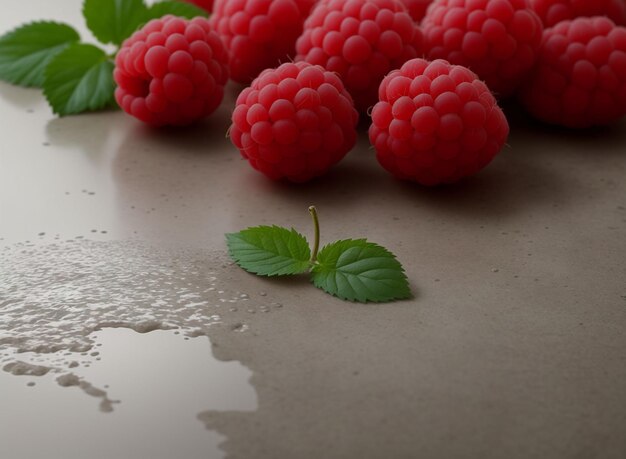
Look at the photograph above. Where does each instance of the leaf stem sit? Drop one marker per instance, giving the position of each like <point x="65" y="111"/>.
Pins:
<point x="316" y="224"/>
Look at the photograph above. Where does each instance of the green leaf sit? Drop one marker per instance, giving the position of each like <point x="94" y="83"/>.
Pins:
<point x="26" y="51"/>
<point x="112" y="21"/>
<point x="357" y="270"/>
<point x="270" y="250"/>
<point x="79" y="79"/>
<point x="177" y="8"/>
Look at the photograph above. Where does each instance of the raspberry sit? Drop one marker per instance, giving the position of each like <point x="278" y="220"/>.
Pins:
<point x="553" y="11"/>
<point x="436" y="123"/>
<point x="361" y="40"/>
<point x="260" y="34"/>
<point x="497" y="39"/>
<point x="580" y="78"/>
<point x="204" y="4"/>
<point x="417" y="8"/>
<point x="171" y="71"/>
<point x="294" y="122"/>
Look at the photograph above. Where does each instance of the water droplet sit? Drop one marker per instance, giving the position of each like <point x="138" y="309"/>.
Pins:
<point x="239" y="327"/>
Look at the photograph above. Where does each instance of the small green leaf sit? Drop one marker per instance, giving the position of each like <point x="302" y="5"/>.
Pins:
<point x="357" y="270"/>
<point x="177" y="8"/>
<point x="26" y="51"/>
<point x="113" y="21"/>
<point x="270" y="250"/>
<point x="79" y="79"/>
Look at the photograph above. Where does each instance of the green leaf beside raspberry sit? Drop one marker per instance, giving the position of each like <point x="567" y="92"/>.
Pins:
<point x="79" y="79"/>
<point x="270" y="250"/>
<point x="351" y="269"/>
<point x="112" y="21"/>
<point x="357" y="270"/>
<point x="176" y="8"/>
<point x="26" y="51"/>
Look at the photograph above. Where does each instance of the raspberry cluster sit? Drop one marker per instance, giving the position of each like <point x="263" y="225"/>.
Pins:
<point x="294" y="122"/>
<point x="436" y="123"/>
<point x="204" y="4"/>
<point x="361" y="40"/>
<point x="417" y="8"/>
<point x="171" y="72"/>
<point x="497" y="39"/>
<point x="580" y="78"/>
<point x="552" y="12"/>
<point x="259" y="34"/>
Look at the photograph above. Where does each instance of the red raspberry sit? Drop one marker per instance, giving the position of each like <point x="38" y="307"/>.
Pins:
<point x="294" y="122"/>
<point x="361" y="40"/>
<point x="436" y="123"/>
<point x="204" y="4"/>
<point x="497" y="39"/>
<point x="260" y="34"/>
<point x="553" y="11"/>
<point x="171" y="71"/>
<point x="417" y="8"/>
<point x="580" y="78"/>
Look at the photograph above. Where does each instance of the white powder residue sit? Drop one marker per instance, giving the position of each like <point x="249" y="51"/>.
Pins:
<point x="53" y="297"/>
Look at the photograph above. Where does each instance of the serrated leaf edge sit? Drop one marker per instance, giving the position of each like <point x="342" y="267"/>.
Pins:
<point x="405" y="294"/>
<point x="36" y="22"/>
<point x="60" y="47"/>
<point x="91" y="108"/>
<point x="142" y="20"/>
<point x="231" y="236"/>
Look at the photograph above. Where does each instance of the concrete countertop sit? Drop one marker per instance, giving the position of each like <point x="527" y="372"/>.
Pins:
<point x="513" y="346"/>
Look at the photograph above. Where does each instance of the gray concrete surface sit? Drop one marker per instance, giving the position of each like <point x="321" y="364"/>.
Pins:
<point x="513" y="347"/>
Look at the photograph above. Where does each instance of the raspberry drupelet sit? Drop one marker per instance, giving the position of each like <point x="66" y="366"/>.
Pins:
<point x="294" y="122"/>
<point x="436" y="123"/>
<point x="171" y="71"/>
<point x="206" y="5"/>
<point x="552" y="12"/>
<point x="417" y="8"/>
<point x="361" y="40"/>
<point x="497" y="39"/>
<point x="259" y="34"/>
<point x="580" y="78"/>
